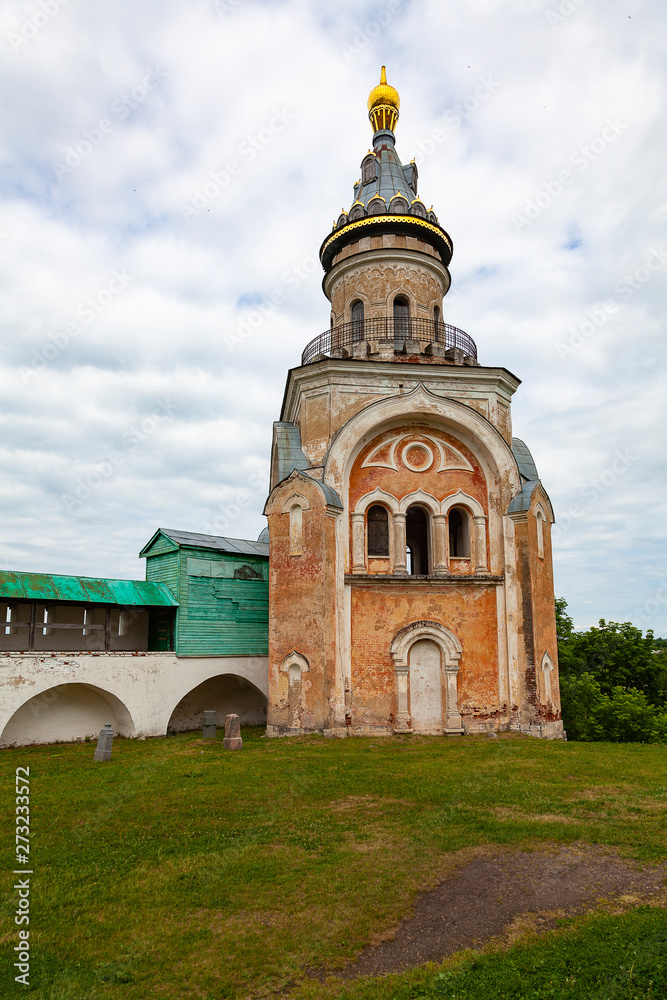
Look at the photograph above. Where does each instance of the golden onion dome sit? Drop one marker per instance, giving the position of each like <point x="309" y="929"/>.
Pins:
<point x="383" y="104"/>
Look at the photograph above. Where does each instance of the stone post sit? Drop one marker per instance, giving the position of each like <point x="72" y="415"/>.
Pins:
<point x="440" y="564"/>
<point x="480" y="545"/>
<point x="232" y="740"/>
<point x="104" y="742"/>
<point x="400" y="563"/>
<point x="209" y="722"/>
<point x="358" y="544"/>
<point x="402" y="715"/>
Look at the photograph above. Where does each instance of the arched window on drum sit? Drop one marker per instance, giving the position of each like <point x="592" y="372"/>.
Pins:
<point x="357" y="320"/>
<point x="401" y="317"/>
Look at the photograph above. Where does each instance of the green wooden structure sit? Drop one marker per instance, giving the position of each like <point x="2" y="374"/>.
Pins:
<point x="42" y="612"/>
<point x="221" y="585"/>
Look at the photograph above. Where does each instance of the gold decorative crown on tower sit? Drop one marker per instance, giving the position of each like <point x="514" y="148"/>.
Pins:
<point x="383" y="105"/>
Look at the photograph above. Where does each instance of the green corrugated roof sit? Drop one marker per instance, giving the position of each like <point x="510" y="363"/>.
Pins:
<point x="46" y="587"/>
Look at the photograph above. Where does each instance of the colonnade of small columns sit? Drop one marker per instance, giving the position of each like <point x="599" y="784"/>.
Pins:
<point x="440" y="555"/>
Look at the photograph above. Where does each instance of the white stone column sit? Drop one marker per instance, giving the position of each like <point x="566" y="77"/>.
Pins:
<point x="480" y="545"/>
<point x="402" y="715"/>
<point x="400" y="563"/>
<point x="358" y="544"/>
<point x="440" y="564"/>
<point x="453" y="724"/>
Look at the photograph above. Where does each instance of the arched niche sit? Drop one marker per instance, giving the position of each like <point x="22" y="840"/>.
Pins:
<point x="293" y="669"/>
<point x="66" y="713"/>
<point x="224" y="694"/>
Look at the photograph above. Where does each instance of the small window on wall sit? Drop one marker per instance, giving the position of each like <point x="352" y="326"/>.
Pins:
<point x="357" y="320"/>
<point x="377" y="524"/>
<point x="436" y="315"/>
<point x="459" y="534"/>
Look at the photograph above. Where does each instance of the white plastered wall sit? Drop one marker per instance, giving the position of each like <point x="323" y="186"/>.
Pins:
<point x="60" y="693"/>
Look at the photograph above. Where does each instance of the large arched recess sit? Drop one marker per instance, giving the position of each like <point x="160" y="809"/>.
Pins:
<point x="65" y="713"/>
<point x="419" y="406"/>
<point x="224" y="693"/>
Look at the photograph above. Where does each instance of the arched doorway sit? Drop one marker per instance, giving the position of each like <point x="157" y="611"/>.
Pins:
<point x="66" y="713"/>
<point x="426" y="658"/>
<point x="224" y="694"/>
<point x="425" y="681"/>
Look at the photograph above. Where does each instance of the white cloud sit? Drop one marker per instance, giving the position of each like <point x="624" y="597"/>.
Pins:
<point x="517" y="92"/>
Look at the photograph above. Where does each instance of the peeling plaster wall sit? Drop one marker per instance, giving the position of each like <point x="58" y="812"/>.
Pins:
<point x="380" y="611"/>
<point x="302" y="610"/>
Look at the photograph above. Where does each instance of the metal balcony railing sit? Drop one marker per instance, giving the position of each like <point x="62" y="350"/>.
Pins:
<point x="382" y="332"/>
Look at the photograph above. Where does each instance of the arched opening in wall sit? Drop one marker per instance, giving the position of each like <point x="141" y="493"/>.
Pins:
<point x="459" y="533"/>
<point x="357" y="320"/>
<point x="377" y="528"/>
<point x="437" y="319"/>
<point x="417" y="541"/>
<point x="224" y="694"/>
<point x="425" y="686"/>
<point x="401" y="318"/>
<point x="66" y="713"/>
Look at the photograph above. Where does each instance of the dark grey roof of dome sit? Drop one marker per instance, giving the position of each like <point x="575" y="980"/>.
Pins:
<point x="392" y="176"/>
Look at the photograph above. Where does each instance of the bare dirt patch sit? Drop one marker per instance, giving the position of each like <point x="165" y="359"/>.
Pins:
<point x="494" y="895"/>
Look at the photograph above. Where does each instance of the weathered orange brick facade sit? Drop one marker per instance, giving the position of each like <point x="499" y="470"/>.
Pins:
<point x="411" y="585"/>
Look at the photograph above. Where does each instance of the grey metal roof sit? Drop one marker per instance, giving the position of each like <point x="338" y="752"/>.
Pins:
<point x="521" y="501"/>
<point x="524" y="460"/>
<point x="264" y="535"/>
<point x="192" y="539"/>
<point x="391" y="175"/>
<point x="332" y="497"/>
<point x="287" y="453"/>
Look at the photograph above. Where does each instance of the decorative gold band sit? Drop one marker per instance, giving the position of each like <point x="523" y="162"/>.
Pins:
<point x="371" y="220"/>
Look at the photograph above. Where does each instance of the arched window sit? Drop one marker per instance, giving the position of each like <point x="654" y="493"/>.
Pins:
<point x="357" y="320"/>
<point x="459" y="533"/>
<point x="369" y="169"/>
<point x="377" y="527"/>
<point x="436" y="316"/>
<point x="401" y="317"/>
<point x="417" y="541"/>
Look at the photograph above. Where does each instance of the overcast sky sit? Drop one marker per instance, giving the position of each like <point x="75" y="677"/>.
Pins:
<point x="169" y="170"/>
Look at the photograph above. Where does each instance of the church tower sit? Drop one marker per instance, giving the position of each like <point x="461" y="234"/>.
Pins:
<point x="411" y="585"/>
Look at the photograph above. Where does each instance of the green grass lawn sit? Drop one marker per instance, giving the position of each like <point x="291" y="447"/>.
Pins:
<point x="180" y="870"/>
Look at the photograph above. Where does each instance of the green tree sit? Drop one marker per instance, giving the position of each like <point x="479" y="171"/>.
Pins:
<point x="615" y="654"/>
<point x="613" y="681"/>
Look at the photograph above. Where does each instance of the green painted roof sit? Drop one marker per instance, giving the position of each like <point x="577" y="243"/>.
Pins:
<point x="46" y="587"/>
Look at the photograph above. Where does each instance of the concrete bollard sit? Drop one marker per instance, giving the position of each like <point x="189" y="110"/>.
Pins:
<point x="104" y="742"/>
<point x="209" y="722"/>
<point x="232" y="740"/>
